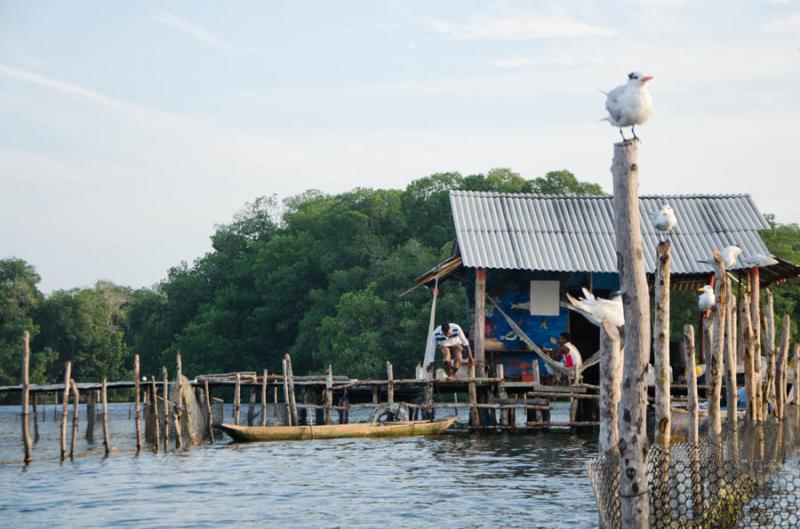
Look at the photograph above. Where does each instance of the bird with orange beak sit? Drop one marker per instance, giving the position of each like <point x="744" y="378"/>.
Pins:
<point x="630" y="104"/>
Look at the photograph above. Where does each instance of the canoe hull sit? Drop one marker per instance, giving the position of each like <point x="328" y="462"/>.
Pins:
<point x="247" y="434"/>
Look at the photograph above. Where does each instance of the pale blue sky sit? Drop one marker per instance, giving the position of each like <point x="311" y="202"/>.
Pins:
<point x="129" y="129"/>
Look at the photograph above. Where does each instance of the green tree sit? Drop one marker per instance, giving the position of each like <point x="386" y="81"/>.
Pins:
<point x="19" y="296"/>
<point x="564" y="183"/>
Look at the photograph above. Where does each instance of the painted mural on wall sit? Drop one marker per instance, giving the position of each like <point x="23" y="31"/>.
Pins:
<point x="515" y="301"/>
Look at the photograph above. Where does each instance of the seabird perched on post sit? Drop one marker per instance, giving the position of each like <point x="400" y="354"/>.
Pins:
<point x="707" y="299"/>
<point x="729" y="255"/>
<point x="630" y="104"/>
<point x="664" y="220"/>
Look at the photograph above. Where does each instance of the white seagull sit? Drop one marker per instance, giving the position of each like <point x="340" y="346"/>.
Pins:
<point x="707" y="299"/>
<point x="630" y="104"/>
<point x="758" y="260"/>
<point x="729" y="255"/>
<point x="665" y="219"/>
<point x="597" y="309"/>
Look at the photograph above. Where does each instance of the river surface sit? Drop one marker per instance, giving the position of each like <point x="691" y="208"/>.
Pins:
<point x="449" y="481"/>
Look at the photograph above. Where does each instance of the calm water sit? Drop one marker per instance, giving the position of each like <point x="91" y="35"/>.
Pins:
<point x="451" y="481"/>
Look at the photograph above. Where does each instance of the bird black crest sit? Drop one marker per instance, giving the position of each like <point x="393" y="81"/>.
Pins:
<point x="632" y="75"/>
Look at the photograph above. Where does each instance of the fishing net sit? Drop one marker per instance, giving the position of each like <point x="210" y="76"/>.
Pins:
<point x="749" y="478"/>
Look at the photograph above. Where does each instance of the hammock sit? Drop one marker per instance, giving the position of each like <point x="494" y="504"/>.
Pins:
<point x="554" y="364"/>
<point x="430" y="348"/>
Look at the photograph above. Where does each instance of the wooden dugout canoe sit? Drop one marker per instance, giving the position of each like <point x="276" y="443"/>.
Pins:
<point x="246" y="434"/>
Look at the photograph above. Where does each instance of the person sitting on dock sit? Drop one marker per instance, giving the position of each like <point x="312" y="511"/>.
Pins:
<point x="451" y="341"/>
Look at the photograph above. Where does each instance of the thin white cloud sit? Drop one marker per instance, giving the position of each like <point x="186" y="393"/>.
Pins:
<point x="789" y="23"/>
<point x="553" y="59"/>
<point x="203" y="34"/>
<point x="57" y="84"/>
<point x="527" y="26"/>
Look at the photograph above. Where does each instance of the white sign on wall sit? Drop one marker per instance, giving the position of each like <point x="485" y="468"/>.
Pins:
<point x="545" y="298"/>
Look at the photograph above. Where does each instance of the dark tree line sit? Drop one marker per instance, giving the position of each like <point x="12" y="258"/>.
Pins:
<point x="316" y="275"/>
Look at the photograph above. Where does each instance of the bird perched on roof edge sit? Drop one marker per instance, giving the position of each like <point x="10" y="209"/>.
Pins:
<point x="630" y="104"/>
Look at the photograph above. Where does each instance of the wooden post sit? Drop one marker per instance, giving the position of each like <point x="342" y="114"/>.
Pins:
<point x="750" y="348"/>
<point x="329" y="395"/>
<point x="718" y="346"/>
<point x="501" y="393"/>
<point x="474" y="419"/>
<point x="694" y="423"/>
<point x="797" y="375"/>
<point x="780" y="376"/>
<point x="237" y="399"/>
<point x="264" y="399"/>
<point x="732" y="394"/>
<point x="769" y="346"/>
<point x="292" y="396"/>
<point x="755" y="325"/>
<point x="480" y="319"/>
<point x="75" y="403"/>
<point x="389" y="383"/>
<point x="209" y="412"/>
<point x="251" y="407"/>
<point x="286" y="398"/>
<point x="106" y="442"/>
<point x="166" y="406"/>
<point x="136" y="402"/>
<point x="610" y="385"/>
<point x="65" y="409"/>
<point x="661" y="344"/>
<point x="376" y="392"/>
<point x="634" y="502"/>
<point x="26" y="394"/>
<point x="91" y="415"/>
<point x="154" y="411"/>
<point x="177" y="416"/>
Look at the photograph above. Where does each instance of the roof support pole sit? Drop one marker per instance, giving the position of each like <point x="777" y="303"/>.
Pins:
<point x="480" y="320"/>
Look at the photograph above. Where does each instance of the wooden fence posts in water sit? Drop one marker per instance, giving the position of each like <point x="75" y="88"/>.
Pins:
<point x="717" y="346"/>
<point x="209" y="412"/>
<point x="154" y="412"/>
<point x="263" y="398"/>
<point x="634" y="502"/>
<point x="137" y="403"/>
<point x="329" y="396"/>
<point x="610" y="385"/>
<point x="106" y="442"/>
<point x="237" y="398"/>
<point x="75" y="403"/>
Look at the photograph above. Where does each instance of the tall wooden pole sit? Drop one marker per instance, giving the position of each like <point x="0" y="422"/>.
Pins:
<point x="166" y="406"/>
<point x="26" y="395"/>
<point x="154" y="411"/>
<point x="237" y="399"/>
<point x="634" y="502"/>
<point x="780" y="376"/>
<point x="718" y="346"/>
<point x="65" y="410"/>
<point x="292" y="396"/>
<point x="264" y="399"/>
<point x="75" y="403"/>
<point x="732" y="394"/>
<point x="106" y="441"/>
<point x="137" y="402"/>
<point x="329" y="396"/>
<point x="755" y="325"/>
<point x="661" y="344"/>
<point x="797" y="375"/>
<point x="389" y="383"/>
<point x="694" y="423"/>
<point x="480" y="319"/>
<point x="286" y="399"/>
<point x="178" y="414"/>
<point x="610" y="385"/>
<point x="769" y="346"/>
<point x="750" y="348"/>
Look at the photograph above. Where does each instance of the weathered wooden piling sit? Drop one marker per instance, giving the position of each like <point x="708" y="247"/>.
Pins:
<point x="474" y="418"/>
<point x="610" y="386"/>
<point x="154" y="411"/>
<point x="501" y="393"/>
<point x="91" y="415"/>
<point x="26" y="395"/>
<point x="750" y="377"/>
<point x="731" y="395"/>
<point x="780" y="375"/>
<point x="755" y="325"/>
<point x="329" y="396"/>
<point x="65" y="409"/>
<point x="165" y="397"/>
<point x="292" y="396"/>
<point x="797" y="376"/>
<point x="389" y="383"/>
<point x="661" y="344"/>
<point x="286" y="399"/>
<point x="264" y="399"/>
<point x="694" y="423"/>
<point x="209" y="413"/>
<point x="237" y="399"/>
<point x="76" y="400"/>
<point x="177" y="414"/>
<point x="769" y="346"/>
<point x="137" y="403"/>
<point x="634" y="502"/>
<point x="106" y="440"/>
<point x="718" y="346"/>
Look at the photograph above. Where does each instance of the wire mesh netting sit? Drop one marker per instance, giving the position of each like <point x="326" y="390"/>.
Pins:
<point x="748" y="477"/>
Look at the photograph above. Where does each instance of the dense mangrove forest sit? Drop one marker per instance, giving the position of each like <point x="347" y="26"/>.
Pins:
<point x="316" y="275"/>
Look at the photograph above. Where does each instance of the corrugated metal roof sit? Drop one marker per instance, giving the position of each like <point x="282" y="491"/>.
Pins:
<point x="576" y="233"/>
